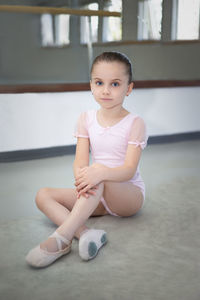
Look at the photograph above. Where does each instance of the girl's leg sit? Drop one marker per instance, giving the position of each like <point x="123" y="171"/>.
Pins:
<point x="59" y="243"/>
<point x="57" y="203"/>
<point x="123" y="198"/>
<point x="81" y="211"/>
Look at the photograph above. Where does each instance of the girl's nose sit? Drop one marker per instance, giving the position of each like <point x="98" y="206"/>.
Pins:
<point x="106" y="89"/>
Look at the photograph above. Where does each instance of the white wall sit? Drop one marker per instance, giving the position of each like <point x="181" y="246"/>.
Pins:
<point x="30" y="121"/>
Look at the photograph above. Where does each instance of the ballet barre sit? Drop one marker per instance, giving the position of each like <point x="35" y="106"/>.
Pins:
<point x="57" y="11"/>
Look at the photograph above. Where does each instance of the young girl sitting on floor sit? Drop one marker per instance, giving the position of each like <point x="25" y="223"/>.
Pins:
<point x="112" y="183"/>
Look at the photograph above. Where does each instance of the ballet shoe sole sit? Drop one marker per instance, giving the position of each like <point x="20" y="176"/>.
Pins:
<point x="93" y="249"/>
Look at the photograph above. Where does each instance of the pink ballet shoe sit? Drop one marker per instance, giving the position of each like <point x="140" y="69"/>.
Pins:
<point x="40" y="258"/>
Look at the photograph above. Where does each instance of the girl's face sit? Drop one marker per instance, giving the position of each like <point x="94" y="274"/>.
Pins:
<point x="109" y="84"/>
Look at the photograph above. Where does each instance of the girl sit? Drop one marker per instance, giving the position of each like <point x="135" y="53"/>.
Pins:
<point x="112" y="183"/>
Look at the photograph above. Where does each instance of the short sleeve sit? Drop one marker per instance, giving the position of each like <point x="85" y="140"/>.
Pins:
<point x="81" y="129"/>
<point x="138" y="133"/>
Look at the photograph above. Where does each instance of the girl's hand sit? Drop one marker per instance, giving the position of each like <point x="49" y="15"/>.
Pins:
<point x="88" y="177"/>
<point x="88" y="193"/>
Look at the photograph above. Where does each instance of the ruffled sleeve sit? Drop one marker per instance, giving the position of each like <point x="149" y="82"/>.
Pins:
<point x="81" y="128"/>
<point x="138" y="133"/>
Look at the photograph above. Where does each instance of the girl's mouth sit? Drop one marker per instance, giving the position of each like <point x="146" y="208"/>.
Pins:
<point x="106" y="99"/>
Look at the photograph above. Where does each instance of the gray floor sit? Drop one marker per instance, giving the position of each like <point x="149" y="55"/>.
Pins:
<point x="153" y="255"/>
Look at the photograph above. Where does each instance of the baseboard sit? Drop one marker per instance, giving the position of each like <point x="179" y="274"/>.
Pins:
<point x="173" y="138"/>
<point x="22" y="155"/>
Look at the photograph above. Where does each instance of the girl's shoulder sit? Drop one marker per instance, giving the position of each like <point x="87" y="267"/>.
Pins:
<point x="88" y="116"/>
<point x="91" y="113"/>
<point x="135" y="118"/>
<point x="131" y="118"/>
<point x="136" y="124"/>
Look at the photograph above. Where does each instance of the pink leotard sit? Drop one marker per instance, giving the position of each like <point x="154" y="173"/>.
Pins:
<point x="109" y="144"/>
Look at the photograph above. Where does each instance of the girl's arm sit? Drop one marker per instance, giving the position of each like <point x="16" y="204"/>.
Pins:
<point x="91" y="176"/>
<point x="81" y="161"/>
<point x="81" y="156"/>
<point x="127" y="170"/>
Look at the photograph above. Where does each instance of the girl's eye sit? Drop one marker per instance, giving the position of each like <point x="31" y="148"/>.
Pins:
<point x="99" y="83"/>
<point x="115" y="84"/>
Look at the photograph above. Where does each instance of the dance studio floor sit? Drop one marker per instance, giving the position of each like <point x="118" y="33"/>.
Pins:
<point x="154" y="255"/>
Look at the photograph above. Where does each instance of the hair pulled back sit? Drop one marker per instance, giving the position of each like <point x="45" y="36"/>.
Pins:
<point x="114" y="56"/>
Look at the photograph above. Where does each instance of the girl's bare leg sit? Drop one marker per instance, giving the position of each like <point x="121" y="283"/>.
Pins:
<point x="82" y="210"/>
<point x="57" y="203"/>
<point x="123" y="198"/>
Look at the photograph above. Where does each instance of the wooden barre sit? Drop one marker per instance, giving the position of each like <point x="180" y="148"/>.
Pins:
<point x="57" y="11"/>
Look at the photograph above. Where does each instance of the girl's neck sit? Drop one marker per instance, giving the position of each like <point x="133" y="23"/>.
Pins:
<point x="111" y="114"/>
<point x="108" y="117"/>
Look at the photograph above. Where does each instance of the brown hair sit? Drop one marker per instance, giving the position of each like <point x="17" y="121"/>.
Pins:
<point x="113" y="56"/>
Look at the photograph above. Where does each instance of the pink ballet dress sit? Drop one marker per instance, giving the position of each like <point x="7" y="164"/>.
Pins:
<point x="109" y="144"/>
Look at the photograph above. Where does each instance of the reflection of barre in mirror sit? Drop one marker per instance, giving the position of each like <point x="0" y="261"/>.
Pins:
<point x="55" y="10"/>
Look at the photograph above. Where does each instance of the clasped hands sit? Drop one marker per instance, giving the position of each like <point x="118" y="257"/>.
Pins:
<point x="88" y="178"/>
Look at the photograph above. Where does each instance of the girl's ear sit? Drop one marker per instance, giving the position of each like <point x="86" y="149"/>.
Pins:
<point x="130" y="88"/>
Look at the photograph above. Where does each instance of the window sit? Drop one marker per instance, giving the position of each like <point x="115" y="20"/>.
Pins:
<point x="54" y="30"/>
<point x="149" y="19"/>
<point x="47" y="30"/>
<point x="112" y="26"/>
<point x="62" y="30"/>
<point x="86" y="35"/>
<point x="188" y="14"/>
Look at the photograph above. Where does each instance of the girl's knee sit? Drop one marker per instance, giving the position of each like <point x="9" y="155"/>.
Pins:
<point x="41" y="196"/>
